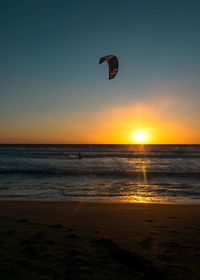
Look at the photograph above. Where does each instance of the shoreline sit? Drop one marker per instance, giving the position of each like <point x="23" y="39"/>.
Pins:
<point x="106" y="201"/>
<point x="165" y="237"/>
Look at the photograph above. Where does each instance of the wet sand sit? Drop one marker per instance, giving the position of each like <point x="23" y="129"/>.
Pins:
<point x="76" y="240"/>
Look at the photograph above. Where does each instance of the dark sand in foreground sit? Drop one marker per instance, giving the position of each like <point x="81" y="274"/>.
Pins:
<point x="75" y="240"/>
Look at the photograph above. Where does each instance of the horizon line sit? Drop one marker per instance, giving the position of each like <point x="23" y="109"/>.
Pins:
<point x="139" y="144"/>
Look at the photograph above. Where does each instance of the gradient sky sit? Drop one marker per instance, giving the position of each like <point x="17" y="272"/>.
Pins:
<point x="52" y="89"/>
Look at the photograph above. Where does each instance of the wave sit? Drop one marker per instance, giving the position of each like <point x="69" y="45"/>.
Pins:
<point x="74" y="156"/>
<point x="101" y="173"/>
<point x="69" y="152"/>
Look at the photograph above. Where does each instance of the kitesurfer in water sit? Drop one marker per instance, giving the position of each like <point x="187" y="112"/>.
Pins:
<point x="80" y="155"/>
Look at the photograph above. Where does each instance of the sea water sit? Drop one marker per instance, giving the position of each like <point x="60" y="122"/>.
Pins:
<point x="134" y="173"/>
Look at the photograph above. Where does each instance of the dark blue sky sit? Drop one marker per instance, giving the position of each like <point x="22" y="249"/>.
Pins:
<point x="49" y="52"/>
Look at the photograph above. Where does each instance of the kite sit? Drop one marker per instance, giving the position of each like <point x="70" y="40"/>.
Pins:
<point x="113" y="64"/>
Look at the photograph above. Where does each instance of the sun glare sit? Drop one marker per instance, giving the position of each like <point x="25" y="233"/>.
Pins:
<point x="140" y="137"/>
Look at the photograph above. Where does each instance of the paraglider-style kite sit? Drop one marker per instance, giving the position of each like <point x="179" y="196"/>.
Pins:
<point x="113" y="64"/>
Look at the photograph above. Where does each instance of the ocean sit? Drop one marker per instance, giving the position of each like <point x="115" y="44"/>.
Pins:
<point x="126" y="173"/>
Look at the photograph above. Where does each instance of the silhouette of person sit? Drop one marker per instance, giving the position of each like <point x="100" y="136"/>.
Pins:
<point x="80" y="155"/>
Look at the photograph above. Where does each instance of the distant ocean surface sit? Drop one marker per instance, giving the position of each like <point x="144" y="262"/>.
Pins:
<point x="133" y="173"/>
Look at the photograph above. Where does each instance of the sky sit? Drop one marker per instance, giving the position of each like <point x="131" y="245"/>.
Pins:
<point x="53" y="90"/>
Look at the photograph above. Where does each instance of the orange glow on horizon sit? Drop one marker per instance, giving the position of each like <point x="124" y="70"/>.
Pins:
<point x="153" y="122"/>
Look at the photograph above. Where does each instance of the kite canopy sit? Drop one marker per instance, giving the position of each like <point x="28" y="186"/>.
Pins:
<point x="112" y="64"/>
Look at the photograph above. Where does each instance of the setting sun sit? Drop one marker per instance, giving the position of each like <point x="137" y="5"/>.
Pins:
<point x="140" y="137"/>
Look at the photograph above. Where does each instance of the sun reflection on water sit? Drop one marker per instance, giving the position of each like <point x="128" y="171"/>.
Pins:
<point x="141" y="165"/>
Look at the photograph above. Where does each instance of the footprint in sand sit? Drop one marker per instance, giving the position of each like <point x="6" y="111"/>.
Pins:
<point x="9" y="232"/>
<point x="49" y="242"/>
<point x="107" y="243"/>
<point x="57" y="226"/>
<point x="160" y="226"/>
<point x="146" y="243"/>
<point x="173" y="217"/>
<point x="149" y="221"/>
<point x="70" y="229"/>
<point x="72" y="235"/>
<point x="27" y="242"/>
<point x="31" y="251"/>
<point x="153" y="233"/>
<point x="74" y="252"/>
<point x="174" y="231"/>
<point x="23" y="221"/>
<point x="38" y="235"/>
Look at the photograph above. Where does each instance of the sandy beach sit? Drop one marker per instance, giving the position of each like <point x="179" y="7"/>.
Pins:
<point x="76" y="240"/>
